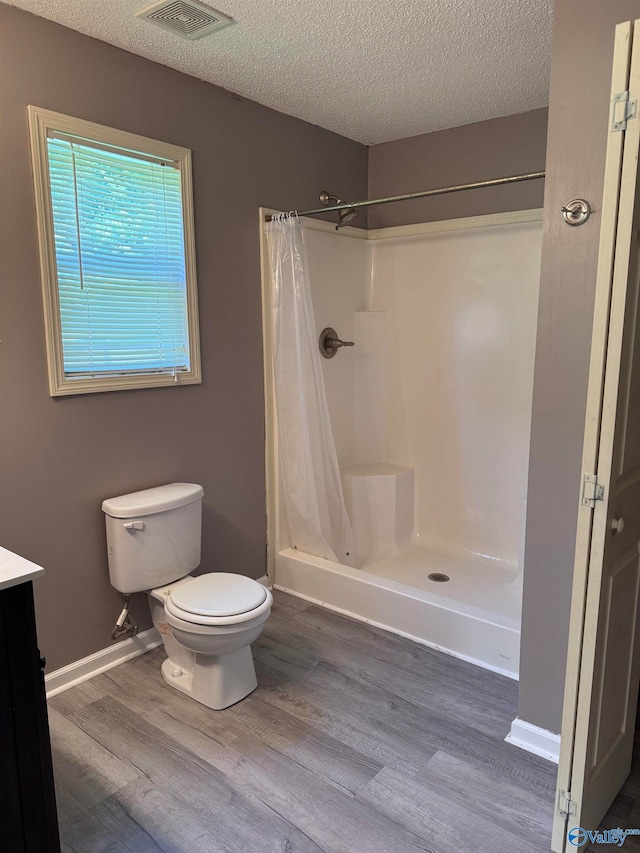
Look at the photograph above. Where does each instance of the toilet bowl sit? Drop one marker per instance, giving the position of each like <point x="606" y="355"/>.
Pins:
<point x="207" y="623"/>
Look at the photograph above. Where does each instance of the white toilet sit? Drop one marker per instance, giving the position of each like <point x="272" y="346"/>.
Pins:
<point x="207" y="623"/>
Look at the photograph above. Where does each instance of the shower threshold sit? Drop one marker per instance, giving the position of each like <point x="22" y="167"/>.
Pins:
<point x="474" y="616"/>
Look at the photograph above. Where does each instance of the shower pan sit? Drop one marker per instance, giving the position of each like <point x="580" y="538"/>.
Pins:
<point x="430" y="413"/>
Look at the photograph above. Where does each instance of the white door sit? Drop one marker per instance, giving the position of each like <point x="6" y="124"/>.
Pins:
<point x="603" y="666"/>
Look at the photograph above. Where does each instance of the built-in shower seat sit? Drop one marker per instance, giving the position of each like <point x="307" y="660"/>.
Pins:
<point x="379" y="497"/>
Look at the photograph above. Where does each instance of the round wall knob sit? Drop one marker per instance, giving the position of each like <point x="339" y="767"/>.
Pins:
<point x="617" y="524"/>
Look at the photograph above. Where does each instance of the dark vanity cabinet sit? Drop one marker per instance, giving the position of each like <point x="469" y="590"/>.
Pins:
<point x="28" y="820"/>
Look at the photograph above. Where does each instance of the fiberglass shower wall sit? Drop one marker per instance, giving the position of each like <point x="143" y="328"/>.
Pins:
<point x="462" y="314"/>
<point x="441" y="376"/>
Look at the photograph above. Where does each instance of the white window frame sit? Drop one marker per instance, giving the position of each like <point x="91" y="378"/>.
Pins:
<point x="42" y="121"/>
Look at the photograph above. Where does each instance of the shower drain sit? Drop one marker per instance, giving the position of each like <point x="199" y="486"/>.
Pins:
<point x="438" y="577"/>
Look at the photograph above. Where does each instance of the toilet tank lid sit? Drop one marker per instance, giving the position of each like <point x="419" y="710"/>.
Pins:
<point x="149" y="501"/>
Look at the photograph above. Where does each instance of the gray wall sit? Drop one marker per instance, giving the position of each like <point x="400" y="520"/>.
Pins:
<point x="475" y="152"/>
<point x="578" y="119"/>
<point x="60" y="458"/>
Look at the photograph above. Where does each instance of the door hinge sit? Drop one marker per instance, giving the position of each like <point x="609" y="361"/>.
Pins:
<point x="592" y="490"/>
<point x="566" y="806"/>
<point x="621" y="111"/>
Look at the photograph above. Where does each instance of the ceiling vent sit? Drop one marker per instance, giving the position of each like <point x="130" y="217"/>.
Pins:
<point x="191" y="20"/>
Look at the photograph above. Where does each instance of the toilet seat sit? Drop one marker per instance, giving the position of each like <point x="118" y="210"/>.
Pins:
<point x="217" y="598"/>
<point x="218" y="594"/>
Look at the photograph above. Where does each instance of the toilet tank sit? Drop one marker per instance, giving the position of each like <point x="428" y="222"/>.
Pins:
<point x="153" y="536"/>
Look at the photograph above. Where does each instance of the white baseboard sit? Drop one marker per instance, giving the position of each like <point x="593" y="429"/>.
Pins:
<point x="86" y="668"/>
<point x="534" y="739"/>
<point x="265" y="580"/>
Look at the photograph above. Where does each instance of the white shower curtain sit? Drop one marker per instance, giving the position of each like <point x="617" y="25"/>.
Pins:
<point x="310" y="475"/>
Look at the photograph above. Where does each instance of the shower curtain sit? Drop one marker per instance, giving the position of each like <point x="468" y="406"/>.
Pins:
<point x="310" y="475"/>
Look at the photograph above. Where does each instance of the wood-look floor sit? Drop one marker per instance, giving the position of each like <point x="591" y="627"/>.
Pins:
<point x="356" y="741"/>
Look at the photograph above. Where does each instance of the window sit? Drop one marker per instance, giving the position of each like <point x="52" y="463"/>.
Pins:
<point x="115" y="228"/>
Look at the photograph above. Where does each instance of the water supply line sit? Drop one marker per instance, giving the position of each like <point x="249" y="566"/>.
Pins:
<point x="124" y="627"/>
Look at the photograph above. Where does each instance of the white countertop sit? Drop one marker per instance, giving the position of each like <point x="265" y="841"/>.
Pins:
<point x="15" y="569"/>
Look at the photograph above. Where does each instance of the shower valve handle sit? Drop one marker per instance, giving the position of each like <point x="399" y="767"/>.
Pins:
<point x="336" y="342"/>
<point x="330" y="343"/>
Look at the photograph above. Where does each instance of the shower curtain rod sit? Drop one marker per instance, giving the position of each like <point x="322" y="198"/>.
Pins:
<point x="494" y="182"/>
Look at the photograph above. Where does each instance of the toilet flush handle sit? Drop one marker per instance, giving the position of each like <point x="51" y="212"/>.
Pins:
<point x="133" y="525"/>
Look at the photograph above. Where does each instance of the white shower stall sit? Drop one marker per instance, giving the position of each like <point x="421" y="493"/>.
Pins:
<point x="430" y="412"/>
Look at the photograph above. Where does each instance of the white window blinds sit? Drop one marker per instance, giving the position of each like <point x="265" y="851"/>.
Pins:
<point x="120" y="259"/>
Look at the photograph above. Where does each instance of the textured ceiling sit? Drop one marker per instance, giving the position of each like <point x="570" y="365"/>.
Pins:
<point x="371" y="70"/>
